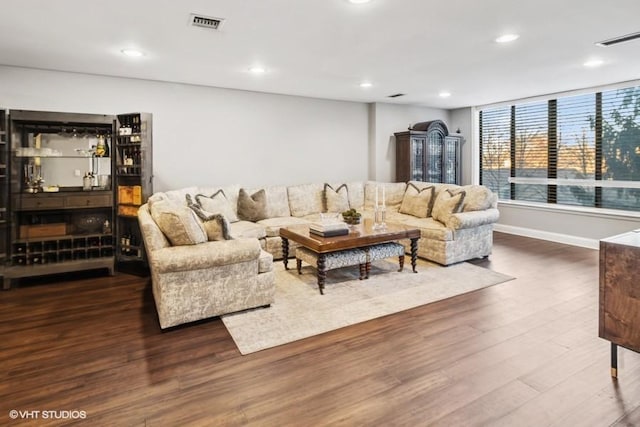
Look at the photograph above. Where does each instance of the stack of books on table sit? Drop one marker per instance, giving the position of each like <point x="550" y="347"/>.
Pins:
<point x="329" y="229"/>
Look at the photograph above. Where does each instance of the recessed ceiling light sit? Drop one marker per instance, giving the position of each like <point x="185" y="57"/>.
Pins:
<point x="133" y="53"/>
<point x="257" y="70"/>
<point x="593" y="63"/>
<point x="506" y="38"/>
<point x="359" y="1"/>
<point x="366" y="84"/>
<point x="444" y="94"/>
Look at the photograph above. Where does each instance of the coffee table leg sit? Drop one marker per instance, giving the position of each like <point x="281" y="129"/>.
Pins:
<point x="285" y="252"/>
<point x="401" y="262"/>
<point x="322" y="273"/>
<point x="414" y="254"/>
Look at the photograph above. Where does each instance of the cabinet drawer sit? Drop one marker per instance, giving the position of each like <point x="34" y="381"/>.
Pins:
<point x="40" y="203"/>
<point x="88" y="201"/>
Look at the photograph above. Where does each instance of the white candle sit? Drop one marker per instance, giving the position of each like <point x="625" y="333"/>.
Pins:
<point x="376" y="196"/>
<point x="383" y="200"/>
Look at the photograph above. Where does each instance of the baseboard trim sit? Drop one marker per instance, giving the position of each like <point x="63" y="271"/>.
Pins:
<point x="548" y="235"/>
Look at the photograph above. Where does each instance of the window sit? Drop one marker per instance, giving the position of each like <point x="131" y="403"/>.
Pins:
<point x="576" y="150"/>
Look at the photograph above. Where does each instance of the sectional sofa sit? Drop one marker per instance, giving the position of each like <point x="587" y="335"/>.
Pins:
<point x="211" y="249"/>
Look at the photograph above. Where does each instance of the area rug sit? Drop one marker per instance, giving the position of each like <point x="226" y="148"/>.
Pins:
<point x="299" y="311"/>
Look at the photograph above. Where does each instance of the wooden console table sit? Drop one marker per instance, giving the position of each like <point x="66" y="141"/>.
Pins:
<point x="619" y="312"/>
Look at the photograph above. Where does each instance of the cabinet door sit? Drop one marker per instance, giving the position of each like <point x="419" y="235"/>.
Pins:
<point x="450" y="160"/>
<point x="417" y="159"/>
<point x="434" y="152"/>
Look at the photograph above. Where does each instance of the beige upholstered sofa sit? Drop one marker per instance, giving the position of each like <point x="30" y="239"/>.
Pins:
<point x="195" y="281"/>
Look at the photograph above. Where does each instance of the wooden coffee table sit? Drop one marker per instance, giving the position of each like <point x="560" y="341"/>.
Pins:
<point x="360" y="236"/>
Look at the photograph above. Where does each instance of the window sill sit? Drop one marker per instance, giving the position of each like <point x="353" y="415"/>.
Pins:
<point x="577" y="210"/>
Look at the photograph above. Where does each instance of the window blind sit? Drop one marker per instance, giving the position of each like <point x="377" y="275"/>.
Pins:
<point x="543" y="151"/>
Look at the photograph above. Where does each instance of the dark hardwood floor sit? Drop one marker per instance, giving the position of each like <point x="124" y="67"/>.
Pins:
<point x="525" y="352"/>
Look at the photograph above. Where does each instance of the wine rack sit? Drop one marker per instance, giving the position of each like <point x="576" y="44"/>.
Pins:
<point x="133" y="184"/>
<point x="4" y="188"/>
<point x="61" y="249"/>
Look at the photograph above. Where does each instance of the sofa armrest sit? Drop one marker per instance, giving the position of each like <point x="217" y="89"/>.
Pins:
<point x="204" y="255"/>
<point x="472" y="219"/>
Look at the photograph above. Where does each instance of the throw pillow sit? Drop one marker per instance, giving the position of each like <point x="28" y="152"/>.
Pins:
<point x="446" y="204"/>
<point x="215" y="225"/>
<point x="336" y="200"/>
<point x="178" y="223"/>
<point x="416" y="201"/>
<point x="217" y="203"/>
<point x="252" y="207"/>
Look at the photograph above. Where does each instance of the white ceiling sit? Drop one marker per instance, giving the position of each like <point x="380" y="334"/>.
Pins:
<point x="325" y="48"/>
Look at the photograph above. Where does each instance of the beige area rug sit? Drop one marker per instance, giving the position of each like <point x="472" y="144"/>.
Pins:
<point x="299" y="311"/>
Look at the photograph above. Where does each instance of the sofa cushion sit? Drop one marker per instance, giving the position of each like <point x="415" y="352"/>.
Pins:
<point x="247" y="229"/>
<point x="448" y="202"/>
<point x="394" y="193"/>
<point x="417" y="200"/>
<point x="305" y="199"/>
<point x="429" y="228"/>
<point x="252" y="207"/>
<point x="217" y="203"/>
<point x="273" y="225"/>
<point x="178" y="223"/>
<point x="336" y="199"/>
<point x="478" y="198"/>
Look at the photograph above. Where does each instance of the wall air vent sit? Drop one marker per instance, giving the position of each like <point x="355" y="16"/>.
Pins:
<point x="206" y="21"/>
<point x="620" y="39"/>
<point x="396" y="95"/>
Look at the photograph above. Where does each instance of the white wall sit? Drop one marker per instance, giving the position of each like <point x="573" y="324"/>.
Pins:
<point x="462" y="119"/>
<point x="390" y="118"/>
<point x="205" y="135"/>
<point x="573" y="225"/>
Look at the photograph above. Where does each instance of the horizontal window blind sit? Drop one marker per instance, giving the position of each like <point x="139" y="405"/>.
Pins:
<point x="543" y="151"/>
<point x="495" y="142"/>
<point x="576" y="148"/>
<point x="531" y="149"/>
<point x="621" y="146"/>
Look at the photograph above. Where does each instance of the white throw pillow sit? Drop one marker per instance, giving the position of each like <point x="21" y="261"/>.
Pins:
<point x="217" y="203"/>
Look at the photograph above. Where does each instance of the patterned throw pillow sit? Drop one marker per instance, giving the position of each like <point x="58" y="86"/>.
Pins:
<point x="217" y="204"/>
<point x="336" y="200"/>
<point x="417" y="201"/>
<point x="447" y="203"/>
<point x="215" y="225"/>
<point x="252" y="207"/>
<point x="178" y="223"/>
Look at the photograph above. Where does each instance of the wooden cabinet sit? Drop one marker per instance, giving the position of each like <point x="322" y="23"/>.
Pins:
<point x="64" y="172"/>
<point x="4" y="188"/>
<point x="134" y="178"/>
<point x="619" y="305"/>
<point x="428" y="153"/>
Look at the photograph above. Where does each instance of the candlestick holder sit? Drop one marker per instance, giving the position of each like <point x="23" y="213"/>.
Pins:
<point x="380" y="215"/>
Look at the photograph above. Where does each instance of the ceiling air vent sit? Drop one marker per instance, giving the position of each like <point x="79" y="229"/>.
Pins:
<point x="620" y="39"/>
<point x="206" y="21"/>
<point x="396" y="95"/>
